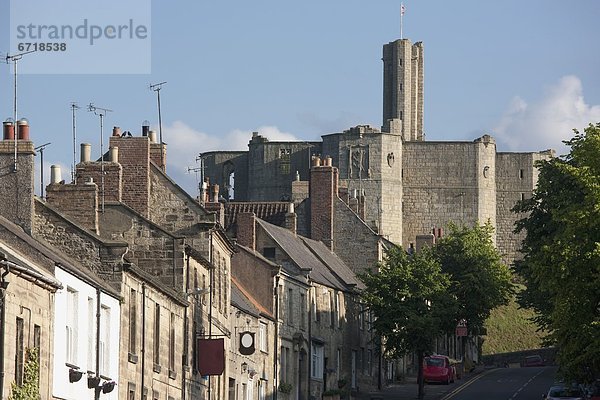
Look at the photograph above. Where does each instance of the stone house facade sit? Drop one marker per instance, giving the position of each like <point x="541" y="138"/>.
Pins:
<point x="318" y="311"/>
<point x="27" y="292"/>
<point x="253" y="349"/>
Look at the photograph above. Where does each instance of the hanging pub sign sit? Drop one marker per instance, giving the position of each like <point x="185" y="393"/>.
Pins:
<point x="247" y="343"/>
<point x="211" y="356"/>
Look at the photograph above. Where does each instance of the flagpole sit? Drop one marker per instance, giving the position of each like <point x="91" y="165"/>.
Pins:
<point x="401" y="16"/>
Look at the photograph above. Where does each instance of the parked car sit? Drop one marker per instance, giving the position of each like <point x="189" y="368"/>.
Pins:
<point x="532" y="361"/>
<point x="438" y="369"/>
<point x="593" y="390"/>
<point x="564" y="392"/>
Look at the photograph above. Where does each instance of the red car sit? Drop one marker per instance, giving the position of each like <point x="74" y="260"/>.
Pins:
<point x="438" y="369"/>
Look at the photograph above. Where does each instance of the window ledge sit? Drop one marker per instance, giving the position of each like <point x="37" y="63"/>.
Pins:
<point x="132" y="358"/>
<point x="172" y="374"/>
<point x="156" y="368"/>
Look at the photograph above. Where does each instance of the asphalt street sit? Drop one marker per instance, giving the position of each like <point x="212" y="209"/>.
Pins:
<point x="495" y="384"/>
<point x="506" y="384"/>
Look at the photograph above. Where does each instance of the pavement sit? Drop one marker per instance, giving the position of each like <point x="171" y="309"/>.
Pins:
<point x="409" y="389"/>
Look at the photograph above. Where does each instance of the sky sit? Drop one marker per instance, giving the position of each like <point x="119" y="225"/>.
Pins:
<point x="525" y="72"/>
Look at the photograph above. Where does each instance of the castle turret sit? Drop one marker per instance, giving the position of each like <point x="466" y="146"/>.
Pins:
<point x="403" y="88"/>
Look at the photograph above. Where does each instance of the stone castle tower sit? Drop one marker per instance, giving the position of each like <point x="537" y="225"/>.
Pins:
<point x="403" y="87"/>
<point x="405" y="186"/>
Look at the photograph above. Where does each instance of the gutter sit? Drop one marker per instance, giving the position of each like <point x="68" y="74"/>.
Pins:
<point x="28" y="274"/>
<point x="2" y="327"/>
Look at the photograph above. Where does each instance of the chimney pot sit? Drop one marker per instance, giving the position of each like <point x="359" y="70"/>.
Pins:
<point x="316" y="161"/>
<point x="152" y="136"/>
<point x="9" y="129"/>
<point x="116" y="131"/>
<point x="55" y="176"/>
<point x="215" y="193"/>
<point x="86" y="152"/>
<point x="23" y="129"/>
<point x="145" y="127"/>
<point x="113" y="153"/>
<point x="327" y="162"/>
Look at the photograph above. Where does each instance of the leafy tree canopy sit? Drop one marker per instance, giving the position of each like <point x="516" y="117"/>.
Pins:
<point x="479" y="280"/>
<point x="561" y="263"/>
<point x="407" y="296"/>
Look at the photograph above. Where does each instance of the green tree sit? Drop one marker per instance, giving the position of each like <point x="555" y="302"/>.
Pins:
<point x="407" y="296"/>
<point x="479" y="280"/>
<point x="561" y="249"/>
<point x="30" y="389"/>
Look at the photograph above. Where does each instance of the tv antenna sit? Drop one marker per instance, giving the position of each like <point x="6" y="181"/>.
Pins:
<point x="41" y="149"/>
<point x="101" y="112"/>
<point x="200" y="182"/>
<point x="156" y="87"/>
<point x="74" y="108"/>
<point x="14" y="59"/>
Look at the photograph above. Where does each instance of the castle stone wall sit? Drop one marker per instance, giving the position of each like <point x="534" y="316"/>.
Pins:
<point x="441" y="184"/>
<point x="516" y="178"/>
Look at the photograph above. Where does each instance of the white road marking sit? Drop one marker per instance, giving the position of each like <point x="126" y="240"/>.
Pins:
<point x="514" y="396"/>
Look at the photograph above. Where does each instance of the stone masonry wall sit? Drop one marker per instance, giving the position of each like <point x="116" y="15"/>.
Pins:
<point x="134" y="157"/>
<point x="165" y="379"/>
<point x="35" y="306"/>
<point x="174" y="210"/>
<point x="79" y="202"/>
<point x="354" y="242"/>
<point x="441" y="184"/>
<point x="217" y="164"/>
<point x="94" y="254"/>
<point x="16" y="188"/>
<point x="256" y="276"/>
<point x="516" y="178"/>
<point x="152" y="249"/>
<point x="272" y="173"/>
<point x="379" y="177"/>
<point x="323" y="194"/>
<point x="113" y="175"/>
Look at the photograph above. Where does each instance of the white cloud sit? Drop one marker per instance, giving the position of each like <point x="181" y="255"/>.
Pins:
<point x="544" y="124"/>
<point x="184" y="143"/>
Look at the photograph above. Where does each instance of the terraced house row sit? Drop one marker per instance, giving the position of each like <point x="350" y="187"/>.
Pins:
<point x="120" y="285"/>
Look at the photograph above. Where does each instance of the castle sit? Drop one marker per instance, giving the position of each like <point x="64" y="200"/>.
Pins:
<point x="405" y="186"/>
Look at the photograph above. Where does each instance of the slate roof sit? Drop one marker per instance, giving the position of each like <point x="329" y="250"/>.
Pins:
<point x="57" y="258"/>
<point x="334" y="263"/>
<point x="325" y="267"/>
<point x="273" y="211"/>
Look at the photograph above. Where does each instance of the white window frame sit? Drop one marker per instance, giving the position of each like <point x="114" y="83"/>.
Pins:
<point x="316" y="370"/>
<point x="71" y="326"/>
<point x="104" y="340"/>
<point x="262" y="336"/>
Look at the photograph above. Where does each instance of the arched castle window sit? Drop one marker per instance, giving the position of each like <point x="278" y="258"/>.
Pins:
<point x="229" y="180"/>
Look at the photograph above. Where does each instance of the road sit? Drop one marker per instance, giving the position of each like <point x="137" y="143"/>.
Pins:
<point x="506" y="384"/>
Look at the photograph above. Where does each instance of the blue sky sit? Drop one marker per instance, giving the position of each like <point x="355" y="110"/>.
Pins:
<point x="525" y="72"/>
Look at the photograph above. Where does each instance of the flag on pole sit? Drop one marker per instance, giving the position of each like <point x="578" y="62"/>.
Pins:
<point x="402" y="9"/>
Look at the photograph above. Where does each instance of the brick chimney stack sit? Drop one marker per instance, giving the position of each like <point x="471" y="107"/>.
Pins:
<point x="91" y="171"/>
<point x="291" y="219"/>
<point x="134" y="157"/>
<point x="323" y="193"/>
<point x="78" y="201"/>
<point x="16" y="184"/>
<point x="246" y="230"/>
